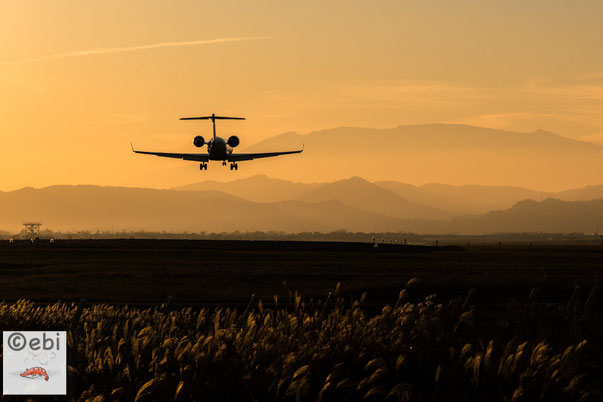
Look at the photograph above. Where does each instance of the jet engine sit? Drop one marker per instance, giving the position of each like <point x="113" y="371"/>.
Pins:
<point x="233" y="141"/>
<point x="199" y="141"/>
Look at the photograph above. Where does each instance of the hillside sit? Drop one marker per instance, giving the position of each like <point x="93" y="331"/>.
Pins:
<point x="105" y="208"/>
<point x="258" y="188"/>
<point x="367" y="196"/>
<point x="466" y="199"/>
<point x="584" y="193"/>
<point x="429" y="201"/>
<point x="436" y="153"/>
<point x="352" y="205"/>
<point x="550" y="215"/>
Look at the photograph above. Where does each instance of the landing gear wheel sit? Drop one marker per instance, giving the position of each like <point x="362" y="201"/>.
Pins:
<point x="236" y="165"/>
<point x="203" y="166"/>
<point x="231" y="166"/>
<point x="223" y="163"/>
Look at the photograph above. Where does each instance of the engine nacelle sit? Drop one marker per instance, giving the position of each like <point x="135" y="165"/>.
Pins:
<point x="233" y="141"/>
<point x="199" y="141"/>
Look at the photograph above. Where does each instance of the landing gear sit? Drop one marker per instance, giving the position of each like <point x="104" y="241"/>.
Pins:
<point x="223" y="163"/>
<point x="203" y="166"/>
<point x="234" y="166"/>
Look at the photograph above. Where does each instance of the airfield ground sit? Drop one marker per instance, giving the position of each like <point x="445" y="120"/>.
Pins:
<point x="216" y="273"/>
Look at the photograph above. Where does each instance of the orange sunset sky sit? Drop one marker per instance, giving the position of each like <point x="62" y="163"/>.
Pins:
<point x="80" y="79"/>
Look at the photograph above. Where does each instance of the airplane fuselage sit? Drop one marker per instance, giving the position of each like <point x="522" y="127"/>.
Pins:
<point x="218" y="149"/>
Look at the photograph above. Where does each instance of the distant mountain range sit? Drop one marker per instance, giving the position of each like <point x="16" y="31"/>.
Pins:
<point x="428" y="201"/>
<point x="116" y="208"/>
<point x="436" y="153"/>
<point x="265" y="204"/>
<point x="258" y="188"/>
<point x="550" y="215"/>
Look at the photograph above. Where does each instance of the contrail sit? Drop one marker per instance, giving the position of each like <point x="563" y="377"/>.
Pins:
<point x="110" y="50"/>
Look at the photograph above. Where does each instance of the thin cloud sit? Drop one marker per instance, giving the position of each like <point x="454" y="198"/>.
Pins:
<point x="596" y="138"/>
<point x="112" y="50"/>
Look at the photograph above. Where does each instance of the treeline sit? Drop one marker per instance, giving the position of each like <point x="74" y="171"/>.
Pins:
<point x="338" y="236"/>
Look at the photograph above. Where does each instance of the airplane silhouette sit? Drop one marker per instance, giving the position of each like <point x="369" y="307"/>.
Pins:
<point x="218" y="149"/>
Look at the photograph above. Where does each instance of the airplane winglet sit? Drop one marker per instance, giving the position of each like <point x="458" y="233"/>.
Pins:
<point x="132" y="146"/>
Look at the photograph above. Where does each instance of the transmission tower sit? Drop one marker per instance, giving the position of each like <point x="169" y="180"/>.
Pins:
<point x="32" y="228"/>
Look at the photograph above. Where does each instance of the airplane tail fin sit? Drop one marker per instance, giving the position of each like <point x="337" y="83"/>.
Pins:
<point x="213" y="119"/>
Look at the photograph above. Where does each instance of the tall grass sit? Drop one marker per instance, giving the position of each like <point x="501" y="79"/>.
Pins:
<point x="427" y="351"/>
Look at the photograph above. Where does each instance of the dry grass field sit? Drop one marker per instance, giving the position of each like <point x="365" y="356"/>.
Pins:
<point x="331" y="351"/>
<point x="328" y="322"/>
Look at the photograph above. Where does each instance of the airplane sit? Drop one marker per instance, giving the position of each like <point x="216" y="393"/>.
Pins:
<point x="218" y="149"/>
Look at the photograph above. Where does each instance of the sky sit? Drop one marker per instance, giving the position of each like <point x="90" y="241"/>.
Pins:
<point x="81" y="79"/>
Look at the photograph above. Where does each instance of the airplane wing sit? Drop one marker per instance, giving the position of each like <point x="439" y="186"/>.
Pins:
<point x="186" y="157"/>
<point x="248" y="157"/>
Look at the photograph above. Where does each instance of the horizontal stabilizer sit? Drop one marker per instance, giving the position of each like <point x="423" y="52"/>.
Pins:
<point x="212" y="118"/>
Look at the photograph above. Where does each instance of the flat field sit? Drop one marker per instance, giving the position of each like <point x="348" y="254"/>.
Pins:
<point x="227" y="273"/>
<point x="527" y="333"/>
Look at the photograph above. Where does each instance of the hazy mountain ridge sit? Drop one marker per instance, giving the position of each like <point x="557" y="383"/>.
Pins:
<point x="432" y="200"/>
<point x="584" y="193"/>
<point x="438" y="153"/>
<point x="364" y="195"/>
<point x="550" y="215"/>
<point x="258" y="188"/>
<point x="430" y="134"/>
<point x="106" y="208"/>
<point x="465" y="199"/>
